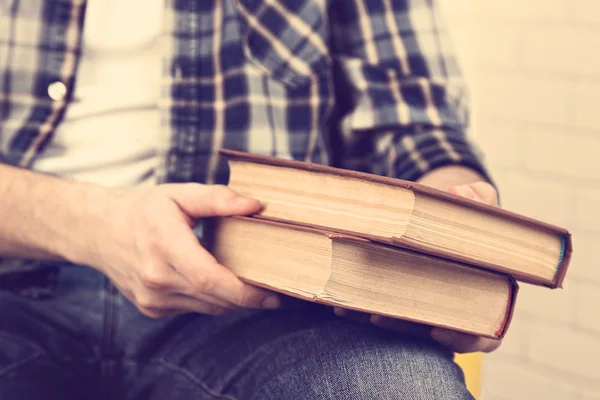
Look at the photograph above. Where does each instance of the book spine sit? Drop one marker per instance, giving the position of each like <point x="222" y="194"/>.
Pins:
<point x="513" y="289"/>
<point x="565" y="258"/>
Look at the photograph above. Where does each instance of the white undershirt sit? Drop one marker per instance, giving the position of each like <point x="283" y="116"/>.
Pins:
<point x="110" y="131"/>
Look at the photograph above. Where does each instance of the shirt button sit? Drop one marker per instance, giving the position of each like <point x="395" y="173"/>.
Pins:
<point x="57" y="91"/>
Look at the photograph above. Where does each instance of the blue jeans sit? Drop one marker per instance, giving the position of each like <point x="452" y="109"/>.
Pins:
<point x="89" y="342"/>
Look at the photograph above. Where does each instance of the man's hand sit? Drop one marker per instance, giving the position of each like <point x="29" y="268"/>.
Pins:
<point x="141" y="239"/>
<point x="149" y="251"/>
<point x="465" y="183"/>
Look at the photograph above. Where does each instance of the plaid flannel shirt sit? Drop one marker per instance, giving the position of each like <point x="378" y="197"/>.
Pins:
<point x="369" y="85"/>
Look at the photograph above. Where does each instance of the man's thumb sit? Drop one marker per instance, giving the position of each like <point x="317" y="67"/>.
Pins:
<point x="198" y="200"/>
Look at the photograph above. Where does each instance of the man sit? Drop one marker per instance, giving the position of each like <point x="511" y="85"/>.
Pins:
<point x="111" y="117"/>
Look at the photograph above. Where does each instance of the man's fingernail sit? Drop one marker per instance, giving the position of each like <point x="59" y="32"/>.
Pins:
<point x="243" y="201"/>
<point x="458" y="189"/>
<point x="442" y="336"/>
<point x="465" y="189"/>
<point x="271" y="302"/>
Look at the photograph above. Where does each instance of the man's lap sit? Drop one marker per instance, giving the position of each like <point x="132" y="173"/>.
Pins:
<point x="89" y="339"/>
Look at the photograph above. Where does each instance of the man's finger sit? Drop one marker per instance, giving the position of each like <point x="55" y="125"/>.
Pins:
<point x="206" y="276"/>
<point x="198" y="200"/>
<point x="486" y="192"/>
<point x="160" y="276"/>
<point x="184" y="304"/>
<point x="190" y="293"/>
<point x="462" y="342"/>
<point x="465" y="191"/>
<point x="478" y="191"/>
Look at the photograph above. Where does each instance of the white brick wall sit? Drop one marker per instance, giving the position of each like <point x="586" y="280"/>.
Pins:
<point x="565" y="350"/>
<point x="586" y="11"/>
<point x="516" y="380"/>
<point x="586" y="97"/>
<point x="545" y="148"/>
<point x="522" y="96"/>
<point x="585" y="257"/>
<point x="536" y="99"/>
<point x="586" y="306"/>
<point x="523" y="11"/>
<point x="587" y="209"/>
<point x="562" y="50"/>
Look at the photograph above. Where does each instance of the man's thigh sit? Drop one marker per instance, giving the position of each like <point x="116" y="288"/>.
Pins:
<point x="46" y="350"/>
<point x="304" y="353"/>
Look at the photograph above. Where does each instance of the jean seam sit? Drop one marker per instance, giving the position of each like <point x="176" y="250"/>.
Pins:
<point x="110" y="361"/>
<point x="192" y="378"/>
<point x="19" y="364"/>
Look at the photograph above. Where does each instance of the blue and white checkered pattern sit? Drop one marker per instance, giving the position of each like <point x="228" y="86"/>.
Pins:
<point x="361" y="84"/>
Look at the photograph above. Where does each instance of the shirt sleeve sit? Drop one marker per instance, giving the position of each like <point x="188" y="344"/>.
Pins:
<point x="402" y="98"/>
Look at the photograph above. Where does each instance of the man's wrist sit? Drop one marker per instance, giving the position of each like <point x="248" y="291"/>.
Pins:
<point x="444" y="178"/>
<point x="87" y="219"/>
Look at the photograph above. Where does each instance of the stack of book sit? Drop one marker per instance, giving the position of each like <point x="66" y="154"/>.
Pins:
<point x="385" y="246"/>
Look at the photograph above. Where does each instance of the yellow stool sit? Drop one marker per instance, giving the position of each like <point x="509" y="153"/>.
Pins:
<point x="471" y="365"/>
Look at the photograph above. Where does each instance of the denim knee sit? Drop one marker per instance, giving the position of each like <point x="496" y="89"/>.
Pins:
<point x="350" y="361"/>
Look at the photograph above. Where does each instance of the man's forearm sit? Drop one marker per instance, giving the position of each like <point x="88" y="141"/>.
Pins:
<point x="44" y="217"/>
